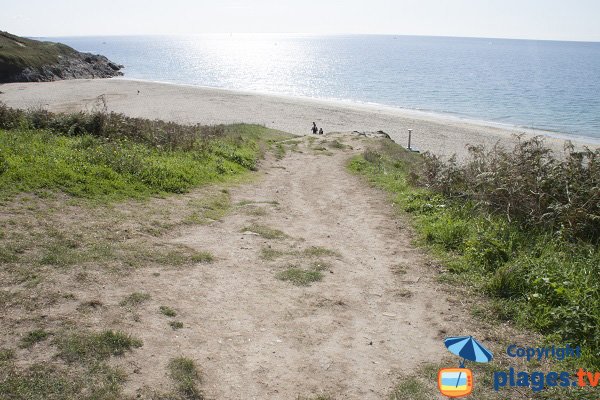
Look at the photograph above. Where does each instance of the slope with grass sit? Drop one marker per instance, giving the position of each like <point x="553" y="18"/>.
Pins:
<point x="521" y="226"/>
<point x="110" y="157"/>
<point x="27" y="60"/>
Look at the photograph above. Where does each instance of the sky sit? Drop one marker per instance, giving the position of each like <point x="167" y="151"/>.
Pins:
<point x="524" y="19"/>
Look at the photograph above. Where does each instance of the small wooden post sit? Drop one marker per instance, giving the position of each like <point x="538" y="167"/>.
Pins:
<point x="409" y="137"/>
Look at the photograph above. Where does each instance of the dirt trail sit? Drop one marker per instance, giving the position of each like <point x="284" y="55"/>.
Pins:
<point x="351" y="335"/>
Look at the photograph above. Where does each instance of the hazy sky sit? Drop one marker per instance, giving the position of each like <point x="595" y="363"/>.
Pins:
<point x="534" y="19"/>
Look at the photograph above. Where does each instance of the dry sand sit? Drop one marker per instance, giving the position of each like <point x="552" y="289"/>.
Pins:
<point x="190" y="104"/>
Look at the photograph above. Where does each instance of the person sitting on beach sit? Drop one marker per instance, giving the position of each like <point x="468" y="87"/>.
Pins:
<point x="314" y="129"/>
<point x="320" y="131"/>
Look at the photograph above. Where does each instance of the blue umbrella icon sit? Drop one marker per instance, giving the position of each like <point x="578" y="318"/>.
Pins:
<point x="469" y="349"/>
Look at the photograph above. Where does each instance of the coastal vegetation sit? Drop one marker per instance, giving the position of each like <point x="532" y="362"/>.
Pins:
<point x="521" y="226"/>
<point x="96" y="244"/>
<point x="23" y="59"/>
<point x="107" y="157"/>
<point x="86" y="201"/>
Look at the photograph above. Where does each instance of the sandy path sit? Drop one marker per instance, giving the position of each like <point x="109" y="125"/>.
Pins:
<point x="189" y="104"/>
<point x="255" y="337"/>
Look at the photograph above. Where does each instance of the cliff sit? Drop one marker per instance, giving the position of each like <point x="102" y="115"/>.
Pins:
<point x="27" y="60"/>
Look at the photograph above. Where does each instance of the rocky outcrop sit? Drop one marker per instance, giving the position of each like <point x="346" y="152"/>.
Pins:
<point x="75" y="66"/>
<point x="28" y="60"/>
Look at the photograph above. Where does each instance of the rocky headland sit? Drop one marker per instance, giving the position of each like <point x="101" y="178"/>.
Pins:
<point x="27" y="60"/>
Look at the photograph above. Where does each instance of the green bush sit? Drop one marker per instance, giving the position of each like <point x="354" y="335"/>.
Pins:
<point x="516" y="238"/>
<point x="528" y="185"/>
<point x="110" y="156"/>
<point x="451" y="234"/>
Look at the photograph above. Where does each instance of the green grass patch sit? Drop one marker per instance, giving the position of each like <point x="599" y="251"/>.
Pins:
<point x="411" y="388"/>
<point x="204" y="257"/>
<point x="186" y="376"/>
<point x="110" y="157"/>
<point x="209" y="209"/>
<point x="167" y="311"/>
<point x="18" y="53"/>
<point x="256" y="211"/>
<point x="6" y="355"/>
<point x="536" y="278"/>
<point x="33" y="337"/>
<point x="87" y="347"/>
<point x="49" y="381"/>
<point x="318" y="251"/>
<point x="269" y="254"/>
<point x="279" y="151"/>
<point x="265" y="231"/>
<point x="175" y="325"/>
<point x="134" y="299"/>
<point x="300" y="276"/>
<point x="336" y="144"/>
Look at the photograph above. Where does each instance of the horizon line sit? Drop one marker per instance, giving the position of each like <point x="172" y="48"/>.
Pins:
<point x="316" y="34"/>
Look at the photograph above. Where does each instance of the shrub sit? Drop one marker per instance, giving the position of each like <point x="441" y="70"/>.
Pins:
<point x="110" y="156"/>
<point x="528" y="185"/>
<point x="521" y="225"/>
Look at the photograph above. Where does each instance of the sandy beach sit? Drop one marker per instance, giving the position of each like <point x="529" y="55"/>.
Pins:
<point x="189" y="104"/>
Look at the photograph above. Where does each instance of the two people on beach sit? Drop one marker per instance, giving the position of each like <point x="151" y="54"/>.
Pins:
<point x="316" y="130"/>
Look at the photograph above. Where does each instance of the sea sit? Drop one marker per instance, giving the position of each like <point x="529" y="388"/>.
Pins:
<point x="547" y="85"/>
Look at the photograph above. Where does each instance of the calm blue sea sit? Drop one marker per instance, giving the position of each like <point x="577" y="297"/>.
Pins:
<point x="548" y="85"/>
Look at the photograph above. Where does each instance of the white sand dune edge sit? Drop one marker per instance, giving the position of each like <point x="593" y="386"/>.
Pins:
<point x="191" y="104"/>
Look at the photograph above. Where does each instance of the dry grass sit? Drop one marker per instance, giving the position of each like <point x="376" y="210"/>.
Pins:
<point x="265" y="231"/>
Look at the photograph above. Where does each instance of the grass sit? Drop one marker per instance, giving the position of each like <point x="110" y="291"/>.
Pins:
<point x="86" y="347"/>
<point x="175" y="325"/>
<point x="318" y="251"/>
<point x="134" y="299"/>
<point x="167" y="311"/>
<point x="411" y="388"/>
<point x="204" y="257"/>
<point x="208" y="209"/>
<point x="185" y="375"/>
<point x="110" y="157"/>
<point x="92" y="168"/>
<point x="536" y="278"/>
<point x="33" y="337"/>
<point x="17" y="53"/>
<point x="87" y="200"/>
<point x="47" y="381"/>
<point x="336" y="144"/>
<point x="300" y="276"/>
<point x="270" y="254"/>
<point x="256" y="211"/>
<point x="6" y="355"/>
<point x="279" y="151"/>
<point x="265" y="231"/>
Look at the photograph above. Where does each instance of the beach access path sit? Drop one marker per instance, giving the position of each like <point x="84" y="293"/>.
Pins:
<point x="377" y="313"/>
